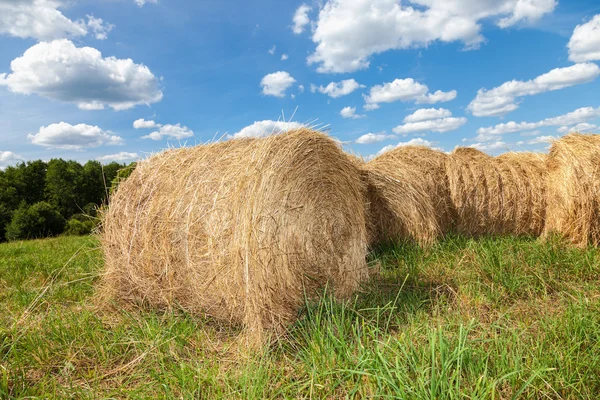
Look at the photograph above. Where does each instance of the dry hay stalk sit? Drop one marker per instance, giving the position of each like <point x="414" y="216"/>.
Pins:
<point x="238" y="230"/>
<point x="402" y="198"/>
<point x="573" y="189"/>
<point x="524" y="194"/>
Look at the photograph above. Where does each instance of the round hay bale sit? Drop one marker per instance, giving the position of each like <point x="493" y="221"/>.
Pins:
<point x="524" y="194"/>
<point x="573" y="189"/>
<point x="476" y="192"/>
<point x="430" y="166"/>
<point x="238" y="230"/>
<point x="401" y="199"/>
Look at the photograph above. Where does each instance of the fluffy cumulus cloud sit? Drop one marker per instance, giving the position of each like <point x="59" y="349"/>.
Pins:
<point x="276" y="84"/>
<point x="266" y="128"/>
<point x="143" y="124"/>
<point x="43" y="20"/>
<point x="168" y="131"/>
<point x="503" y="99"/>
<point x="578" y="116"/>
<point x="404" y="90"/>
<point x="426" y="114"/>
<point x="411" y="142"/>
<point x="348" y="32"/>
<point x="542" y="139"/>
<point x="371" y="138"/>
<point x="301" y="19"/>
<point x="8" y="157"/>
<point x="350" y="112"/>
<point x="99" y="27"/>
<point x="119" y="157"/>
<point x="584" y="44"/>
<point x="488" y="146"/>
<point x="59" y="70"/>
<point x="430" y="119"/>
<point x="583" y="127"/>
<point x="338" y="89"/>
<point x="73" y="137"/>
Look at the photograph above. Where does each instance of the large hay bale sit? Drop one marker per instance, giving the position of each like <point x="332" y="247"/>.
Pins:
<point x="497" y="196"/>
<point x="238" y="230"/>
<point x="573" y="189"/>
<point x="402" y="204"/>
<point x="476" y="191"/>
<point x="524" y="192"/>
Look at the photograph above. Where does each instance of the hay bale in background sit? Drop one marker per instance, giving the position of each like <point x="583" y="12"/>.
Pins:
<point x="573" y="189"/>
<point x="504" y="195"/>
<point x="238" y="230"/>
<point x="524" y="191"/>
<point x="476" y="192"/>
<point x="401" y="204"/>
<point x="430" y="166"/>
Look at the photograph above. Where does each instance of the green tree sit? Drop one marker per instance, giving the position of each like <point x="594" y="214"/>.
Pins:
<point x="64" y="181"/>
<point x="93" y="189"/>
<point x="111" y="171"/>
<point x="5" y="217"/>
<point x="36" y="221"/>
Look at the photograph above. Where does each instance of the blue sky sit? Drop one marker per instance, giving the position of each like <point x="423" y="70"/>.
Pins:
<point x="498" y="75"/>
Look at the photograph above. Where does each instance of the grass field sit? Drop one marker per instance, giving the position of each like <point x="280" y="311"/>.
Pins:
<point x="501" y="318"/>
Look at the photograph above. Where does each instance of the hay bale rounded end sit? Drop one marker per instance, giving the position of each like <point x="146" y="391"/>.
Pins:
<point x="240" y="231"/>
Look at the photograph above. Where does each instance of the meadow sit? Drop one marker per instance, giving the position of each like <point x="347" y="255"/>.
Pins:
<point x="498" y="318"/>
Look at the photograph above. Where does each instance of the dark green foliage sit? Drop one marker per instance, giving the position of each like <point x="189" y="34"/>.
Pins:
<point x="76" y="227"/>
<point x="36" y="221"/>
<point x="64" y="183"/>
<point x="5" y="217"/>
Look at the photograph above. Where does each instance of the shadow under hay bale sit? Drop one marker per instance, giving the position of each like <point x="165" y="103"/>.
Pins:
<point x="573" y="189"/>
<point x="401" y="202"/>
<point x="496" y="196"/>
<point x="239" y="230"/>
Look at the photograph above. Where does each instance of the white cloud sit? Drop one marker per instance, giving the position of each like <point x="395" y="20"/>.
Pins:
<point x="143" y="124"/>
<point x="338" y="89"/>
<point x="301" y="88"/>
<point x="38" y="19"/>
<point x="348" y="32"/>
<point x="276" y="84"/>
<point x="119" y="157"/>
<point x="584" y="44"/>
<point x="350" y="112"/>
<point x="573" y="118"/>
<point x="426" y="114"/>
<point x="581" y="127"/>
<point x="503" y="99"/>
<point x="284" y="57"/>
<point x="98" y="26"/>
<point x="411" y="142"/>
<point x="313" y="88"/>
<point x="8" y="157"/>
<point x="168" y="131"/>
<point x="542" y="139"/>
<point x="301" y="19"/>
<point x="141" y="3"/>
<point x="435" y="125"/>
<point x="266" y="128"/>
<point x="489" y="145"/>
<point x="531" y="133"/>
<point x="370" y="138"/>
<point x="60" y="71"/>
<point x="272" y="50"/>
<point x="73" y="137"/>
<point x="404" y="90"/>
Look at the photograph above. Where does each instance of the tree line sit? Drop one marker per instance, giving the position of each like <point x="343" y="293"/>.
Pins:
<point x="40" y="199"/>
